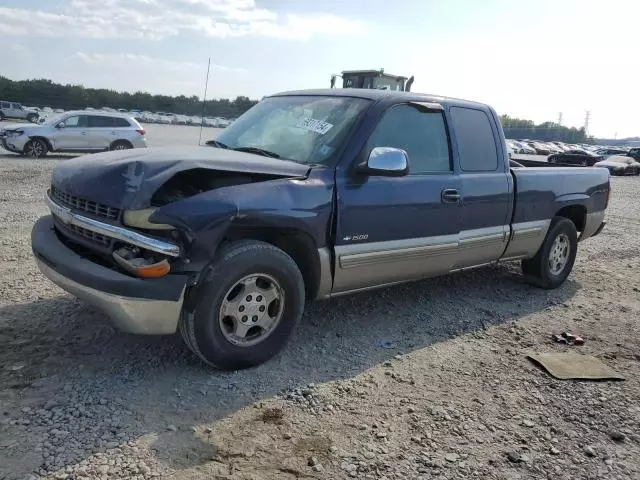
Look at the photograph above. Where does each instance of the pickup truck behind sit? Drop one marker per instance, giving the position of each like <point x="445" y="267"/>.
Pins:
<point x="308" y="195"/>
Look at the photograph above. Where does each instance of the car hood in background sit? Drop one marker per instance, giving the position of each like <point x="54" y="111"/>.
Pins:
<point x="622" y="162"/>
<point x="128" y="178"/>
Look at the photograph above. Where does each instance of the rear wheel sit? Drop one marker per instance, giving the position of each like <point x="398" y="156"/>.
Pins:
<point x="554" y="261"/>
<point x="2" y="117"/>
<point x="246" y="308"/>
<point x="120" y="145"/>
<point x="35" y="148"/>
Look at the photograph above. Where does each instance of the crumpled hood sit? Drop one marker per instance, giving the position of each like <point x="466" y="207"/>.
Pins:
<point x="18" y="126"/>
<point x="128" y="178"/>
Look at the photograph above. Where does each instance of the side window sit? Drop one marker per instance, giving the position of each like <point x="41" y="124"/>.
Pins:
<point x="99" y="121"/>
<point x="16" y="106"/>
<point x="5" y="105"/>
<point x="476" y="143"/>
<point x="421" y="134"/>
<point x="71" y="122"/>
<point x="120" y="122"/>
<point x="77" y="121"/>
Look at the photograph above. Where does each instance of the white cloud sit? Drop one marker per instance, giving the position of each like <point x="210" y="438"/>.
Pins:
<point x="133" y="61"/>
<point x="157" y="19"/>
<point x="18" y="49"/>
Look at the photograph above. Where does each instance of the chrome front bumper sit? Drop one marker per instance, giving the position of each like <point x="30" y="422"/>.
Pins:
<point x="65" y="215"/>
<point x="144" y="306"/>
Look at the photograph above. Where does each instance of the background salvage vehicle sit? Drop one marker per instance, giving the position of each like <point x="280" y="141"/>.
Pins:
<point x="577" y="158"/>
<point x="16" y="110"/>
<point x="75" y="132"/>
<point x="308" y="195"/>
<point x="620" y="165"/>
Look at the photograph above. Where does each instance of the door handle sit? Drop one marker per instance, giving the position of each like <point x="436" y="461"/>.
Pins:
<point x="83" y="133"/>
<point x="450" y="195"/>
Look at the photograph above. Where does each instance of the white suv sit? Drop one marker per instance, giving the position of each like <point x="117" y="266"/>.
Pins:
<point x="81" y="131"/>
<point x="15" y="110"/>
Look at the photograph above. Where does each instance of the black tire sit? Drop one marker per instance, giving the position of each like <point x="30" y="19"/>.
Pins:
<point x="120" y="145"/>
<point x="35" y="148"/>
<point x="2" y="117"/>
<point x="33" y="118"/>
<point x="584" y="163"/>
<point x="537" y="270"/>
<point x="202" y="329"/>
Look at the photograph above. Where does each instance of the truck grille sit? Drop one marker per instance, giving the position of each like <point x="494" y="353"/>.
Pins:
<point x="87" y="238"/>
<point x="89" y="206"/>
<point x="89" y="235"/>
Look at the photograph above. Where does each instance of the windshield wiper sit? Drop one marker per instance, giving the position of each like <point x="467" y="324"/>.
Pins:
<point x="216" y="143"/>
<point x="258" y="151"/>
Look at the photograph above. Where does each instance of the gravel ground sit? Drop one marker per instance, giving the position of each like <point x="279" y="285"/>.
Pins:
<point x="421" y="381"/>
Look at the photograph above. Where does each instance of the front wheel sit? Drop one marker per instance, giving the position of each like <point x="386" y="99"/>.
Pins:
<point x="245" y="309"/>
<point x="33" y="118"/>
<point x="35" y="148"/>
<point x="554" y="261"/>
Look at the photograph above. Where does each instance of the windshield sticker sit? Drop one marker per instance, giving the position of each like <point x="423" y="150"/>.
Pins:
<point x="312" y="125"/>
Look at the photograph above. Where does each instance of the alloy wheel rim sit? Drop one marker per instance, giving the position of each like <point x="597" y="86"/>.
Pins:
<point x="559" y="254"/>
<point x="35" y="149"/>
<point x="251" y="310"/>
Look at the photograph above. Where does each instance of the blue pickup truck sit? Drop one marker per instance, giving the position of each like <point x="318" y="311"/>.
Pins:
<point x="308" y="195"/>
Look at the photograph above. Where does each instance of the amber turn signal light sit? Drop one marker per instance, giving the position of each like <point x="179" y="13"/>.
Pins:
<point x="156" y="270"/>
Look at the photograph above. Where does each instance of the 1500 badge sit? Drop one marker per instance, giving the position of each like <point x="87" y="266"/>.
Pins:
<point x="356" y="238"/>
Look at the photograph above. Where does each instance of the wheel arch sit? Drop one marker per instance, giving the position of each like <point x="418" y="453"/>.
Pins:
<point x="296" y="243"/>
<point x="44" y="139"/>
<point x="576" y="213"/>
<point x="120" y="140"/>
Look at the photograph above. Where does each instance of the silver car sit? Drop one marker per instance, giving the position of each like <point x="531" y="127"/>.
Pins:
<point x="16" y="110"/>
<point x="80" y="131"/>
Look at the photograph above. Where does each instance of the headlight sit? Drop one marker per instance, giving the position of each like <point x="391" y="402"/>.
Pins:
<point x="13" y="133"/>
<point x="140" y="219"/>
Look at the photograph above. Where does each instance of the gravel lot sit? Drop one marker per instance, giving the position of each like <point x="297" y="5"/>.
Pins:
<point x="421" y="381"/>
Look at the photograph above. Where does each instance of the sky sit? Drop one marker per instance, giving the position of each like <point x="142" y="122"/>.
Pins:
<point x="528" y="59"/>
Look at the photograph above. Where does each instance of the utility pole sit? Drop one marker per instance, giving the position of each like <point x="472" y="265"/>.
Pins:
<point x="560" y="118"/>
<point x="204" y="100"/>
<point x="587" y="118"/>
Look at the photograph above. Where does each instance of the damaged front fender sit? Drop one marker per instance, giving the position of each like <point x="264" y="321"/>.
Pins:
<point x="285" y="204"/>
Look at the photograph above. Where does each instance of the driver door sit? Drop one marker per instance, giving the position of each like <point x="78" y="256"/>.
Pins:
<point x="71" y="134"/>
<point x="392" y="229"/>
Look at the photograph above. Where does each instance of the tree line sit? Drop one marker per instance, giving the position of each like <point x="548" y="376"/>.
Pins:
<point x="548" y="131"/>
<point x="45" y="93"/>
<point x="42" y="92"/>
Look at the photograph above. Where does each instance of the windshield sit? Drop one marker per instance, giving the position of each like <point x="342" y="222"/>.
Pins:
<point x="305" y="129"/>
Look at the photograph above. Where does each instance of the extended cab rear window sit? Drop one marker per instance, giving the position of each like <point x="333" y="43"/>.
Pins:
<point x="475" y="140"/>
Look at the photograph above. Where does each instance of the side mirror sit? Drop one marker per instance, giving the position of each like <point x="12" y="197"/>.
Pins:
<point x="386" y="162"/>
<point x="60" y="125"/>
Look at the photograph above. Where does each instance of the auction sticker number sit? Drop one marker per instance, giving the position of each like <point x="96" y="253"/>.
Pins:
<point x="313" y="125"/>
